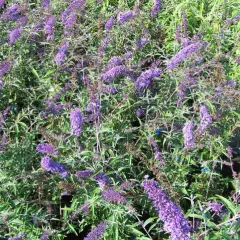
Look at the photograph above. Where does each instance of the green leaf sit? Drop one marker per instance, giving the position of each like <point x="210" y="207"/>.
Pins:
<point x="228" y="204"/>
<point x="73" y="229"/>
<point x="149" y="221"/>
<point x="135" y="231"/>
<point x="193" y="215"/>
<point x="35" y="73"/>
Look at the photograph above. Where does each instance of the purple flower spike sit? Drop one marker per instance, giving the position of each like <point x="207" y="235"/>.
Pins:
<point x="188" y="135"/>
<point x="46" y="3"/>
<point x="1" y="84"/>
<point x="49" y="28"/>
<point x="70" y="23"/>
<point x="13" y="12"/>
<point x="59" y="59"/>
<point x="47" y="148"/>
<point x="97" y="232"/>
<point x="4" y="68"/>
<point x="116" y="71"/>
<point x="110" y="195"/>
<point x="49" y="165"/>
<point x="205" y="120"/>
<point x="113" y="62"/>
<point x="156" y="7"/>
<point x="76" y="122"/>
<point x="23" y="20"/>
<point x="14" y="35"/>
<point x="109" y="24"/>
<point x="84" y="174"/>
<point x="145" y="78"/>
<point x="102" y="180"/>
<point x="168" y="212"/>
<point x="125" y="16"/>
<point x="183" y="55"/>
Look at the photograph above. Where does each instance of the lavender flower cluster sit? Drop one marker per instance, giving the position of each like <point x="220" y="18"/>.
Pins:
<point x="205" y="120"/>
<point x="102" y="179"/>
<point x="183" y="55"/>
<point x="145" y="78"/>
<point x="47" y="148"/>
<point x="84" y="174"/>
<point x="125" y="16"/>
<point x="110" y="195"/>
<point x="2" y="2"/>
<point x="14" y="35"/>
<point x="46" y="3"/>
<point x="54" y="167"/>
<point x="156" y="7"/>
<point x="69" y="23"/>
<point x="188" y="135"/>
<point x="168" y="212"/>
<point x="49" y="27"/>
<point x="14" y="12"/>
<point x="109" y="24"/>
<point x="157" y="153"/>
<point x="4" y="68"/>
<point x="97" y="232"/>
<point x="116" y="71"/>
<point x="59" y="59"/>
<point x="141" y="42"/>
<point x="76" y="122"/>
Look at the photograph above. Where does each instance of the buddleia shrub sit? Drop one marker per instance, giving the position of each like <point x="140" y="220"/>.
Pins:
<point x="119" y="119"/>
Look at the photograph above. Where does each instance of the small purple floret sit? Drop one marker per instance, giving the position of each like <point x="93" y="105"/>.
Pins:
<point x="215" y="207"/>
<point x="140" y="112"/>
